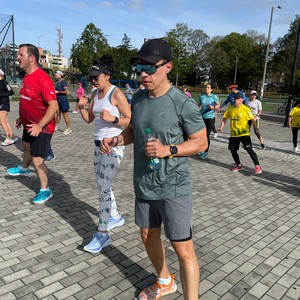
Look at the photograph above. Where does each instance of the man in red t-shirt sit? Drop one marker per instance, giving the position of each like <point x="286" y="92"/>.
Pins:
<point x="38" y="106"/>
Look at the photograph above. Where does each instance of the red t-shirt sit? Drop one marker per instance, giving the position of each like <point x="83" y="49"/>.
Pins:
<point x="36" y="91"/>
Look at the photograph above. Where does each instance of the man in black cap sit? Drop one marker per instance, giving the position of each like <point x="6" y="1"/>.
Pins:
<point x="163" y="196"/>
<point x="239" y="116"/>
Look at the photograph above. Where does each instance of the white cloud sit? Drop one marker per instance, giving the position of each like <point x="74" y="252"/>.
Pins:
<point x="105" y="5"/>
<point x="136" y="4"/>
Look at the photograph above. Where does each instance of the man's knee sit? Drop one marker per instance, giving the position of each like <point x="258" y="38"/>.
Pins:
<point x="150" y="235"/>
<point x="37" y="161"/>
<point x="184" y="250"/>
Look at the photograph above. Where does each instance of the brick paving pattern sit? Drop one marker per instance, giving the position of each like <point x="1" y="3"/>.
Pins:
<point x="246" y="226"/>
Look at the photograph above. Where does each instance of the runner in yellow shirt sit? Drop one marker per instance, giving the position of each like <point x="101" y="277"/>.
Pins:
<point x="294" y="123"/>
<point x="239" y="116"/>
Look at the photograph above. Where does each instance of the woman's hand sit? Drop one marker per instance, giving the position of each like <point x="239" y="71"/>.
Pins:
<point x="83" y="101"/>
<point x="106" y="116"/>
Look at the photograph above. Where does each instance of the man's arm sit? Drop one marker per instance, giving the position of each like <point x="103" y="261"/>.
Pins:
<point x="50" y="112"/>
<point x="226" y="101"/>
<point x="196" y="143"/>
<point x="124" y="138"/>
<point x="222" y="124"/>
<point x="35" y="129"/>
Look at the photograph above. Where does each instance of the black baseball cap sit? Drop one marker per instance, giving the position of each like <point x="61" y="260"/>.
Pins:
<point x="155" y="50"/>
<point x="97" y="70"/>
<point x="238" y="95"/>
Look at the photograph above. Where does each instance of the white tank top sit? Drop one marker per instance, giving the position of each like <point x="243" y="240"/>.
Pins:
<point x="103" y="128"/>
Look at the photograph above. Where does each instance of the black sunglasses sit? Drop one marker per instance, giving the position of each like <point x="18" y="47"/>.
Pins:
<point x="95" y="78"/>
<point x="148" y="68"/>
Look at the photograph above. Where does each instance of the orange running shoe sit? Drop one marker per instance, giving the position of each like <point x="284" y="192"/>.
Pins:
<point x="157" y="290"/>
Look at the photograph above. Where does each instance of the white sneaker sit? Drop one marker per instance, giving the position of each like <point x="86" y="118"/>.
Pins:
<point x="296" y="149"/>
<point x="215" y="135"/>
<point x="67" y="131"/>
<point x="7" y="142"/>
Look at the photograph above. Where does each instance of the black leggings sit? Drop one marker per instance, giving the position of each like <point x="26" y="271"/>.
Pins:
<point x="295" y="135"/>
<point x="234" y="144"/>
<point x="209" y="123"/>
<point x="250" y="152"/>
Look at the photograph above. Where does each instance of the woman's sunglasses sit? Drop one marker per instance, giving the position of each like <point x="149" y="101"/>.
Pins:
<point x="95" y="78"/>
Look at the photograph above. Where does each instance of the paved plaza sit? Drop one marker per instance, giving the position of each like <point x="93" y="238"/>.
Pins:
<point x="246" y="227"/>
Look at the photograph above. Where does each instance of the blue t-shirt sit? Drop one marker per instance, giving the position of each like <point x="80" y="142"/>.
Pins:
<point x="205" y="101"/>
<point x="231" y="99"/>
<point x="61" y="86"/>
<point x="128" y="96"/>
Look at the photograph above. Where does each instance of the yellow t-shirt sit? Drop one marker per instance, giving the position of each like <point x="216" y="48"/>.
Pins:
<point x="295" y="115"/>
<point x="239" y="118"/>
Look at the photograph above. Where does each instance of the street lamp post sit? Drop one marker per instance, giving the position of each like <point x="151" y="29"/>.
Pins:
<point x="39" y="36"/>
<point x="293" y="78"/>
<point x="267" y="54"/>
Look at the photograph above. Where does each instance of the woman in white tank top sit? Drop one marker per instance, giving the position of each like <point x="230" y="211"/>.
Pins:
<point x="110" y="111"/>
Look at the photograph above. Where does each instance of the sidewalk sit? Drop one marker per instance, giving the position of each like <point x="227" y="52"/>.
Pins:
<point x="246" y="226"/>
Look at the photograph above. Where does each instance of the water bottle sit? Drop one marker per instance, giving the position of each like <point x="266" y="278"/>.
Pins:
<point x="154" y="162"/>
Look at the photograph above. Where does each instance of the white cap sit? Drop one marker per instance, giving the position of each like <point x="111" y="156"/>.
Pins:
<point x="1" y="72"/>
<point x="253" y="92"/>
<point x="60" y="73"/>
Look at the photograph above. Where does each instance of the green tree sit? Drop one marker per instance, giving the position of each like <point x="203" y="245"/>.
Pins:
<point x="91" y="45"/>
<point x="126" y="42"/>
<point x="231" y="58"/>
<point x="179" y="38"/>
<point x="199" y="39"/>
<point x="216" y="63"/>
<point x="122" y="55"/>
<point x="283" y="59"/>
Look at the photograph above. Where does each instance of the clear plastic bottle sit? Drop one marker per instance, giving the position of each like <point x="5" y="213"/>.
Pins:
<point x="154" y="162"/>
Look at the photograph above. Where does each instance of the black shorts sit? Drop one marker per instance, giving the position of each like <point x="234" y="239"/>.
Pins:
<point x="64" y="106"/>
<point x="234" y="142"/>
<point x="4" y="104"/>
<point x="39" y="145"/>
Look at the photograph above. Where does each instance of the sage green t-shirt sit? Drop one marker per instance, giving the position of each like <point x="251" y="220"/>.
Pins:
<point x="171" y="118"/>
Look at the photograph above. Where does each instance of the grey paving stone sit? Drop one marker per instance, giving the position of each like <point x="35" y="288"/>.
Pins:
<point x="9" y="296"/>
<point x="246" y="239"/>
<point x="277" y="291"/>
<point x="67" y="292"/>
<point x="89" y="291"/>
<point x="27" y="289"/>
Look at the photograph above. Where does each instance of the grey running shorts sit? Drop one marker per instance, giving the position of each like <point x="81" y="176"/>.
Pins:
<point x="174" y="213"/>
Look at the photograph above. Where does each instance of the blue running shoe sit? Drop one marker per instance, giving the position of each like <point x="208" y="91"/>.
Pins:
<point x="203" y="154"/>
<point x="16" y="171"/>
<point x="115" y="222"/>
<point x="97" y="243"/>
<point x="42" y="196"/>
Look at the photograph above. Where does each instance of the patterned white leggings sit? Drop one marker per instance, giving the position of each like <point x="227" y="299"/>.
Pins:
<point x="106" y="167"/>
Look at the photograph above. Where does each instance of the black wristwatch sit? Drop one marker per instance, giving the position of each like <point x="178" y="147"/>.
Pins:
<point x="116" y="120"/>
<point x="173" y="150"/>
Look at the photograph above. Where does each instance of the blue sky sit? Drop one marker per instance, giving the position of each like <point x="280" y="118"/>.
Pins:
<point x="36" y="20"/>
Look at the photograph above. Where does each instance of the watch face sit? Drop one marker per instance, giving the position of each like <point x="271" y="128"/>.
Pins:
<point x="173" y="150"/>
